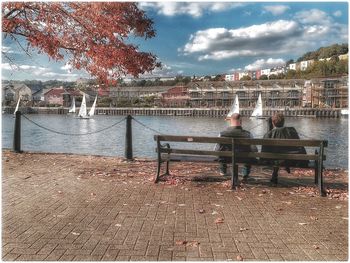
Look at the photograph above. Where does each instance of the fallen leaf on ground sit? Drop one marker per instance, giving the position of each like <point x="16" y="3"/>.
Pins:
<point x="192" y="244"/>
<point x="219" y="220"/>
<point x="76" y="234"/>
<point x="214" y="213"/>
<point x="118" y="225"/>
<point x="181" y="204"/>
<point x="180" y="242"/>
<point x="338" y="206"/>
<point x="316" y="247"/>
<point x="239" y="198"/>
<point x="287" y="202"/>
<point x="313" y="218"/>
<point x="302" y="224"/>
<point x="219" y="193"/>
<point x="243" y="229"/>
<point x="92" y="194"/>
<point x="201" y="211"/>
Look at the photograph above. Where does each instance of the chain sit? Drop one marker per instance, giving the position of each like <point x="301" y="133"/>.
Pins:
<point x="147" y="127"/>
<point x="72" y="134"/>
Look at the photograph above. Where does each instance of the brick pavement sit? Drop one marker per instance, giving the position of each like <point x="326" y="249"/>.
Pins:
<point x="67" y="208"/>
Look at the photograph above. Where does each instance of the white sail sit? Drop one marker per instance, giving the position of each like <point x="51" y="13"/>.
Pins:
<point x="234" y="108"/>
<point x="92" y="110"/>
<point x="72" y="107"/>
<point x="258" y="108"/>
<point x="17" y="106"/>
<point x="82" y="110"/>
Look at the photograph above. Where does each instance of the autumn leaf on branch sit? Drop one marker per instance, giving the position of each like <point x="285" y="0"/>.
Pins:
<point x="94" y="36"/>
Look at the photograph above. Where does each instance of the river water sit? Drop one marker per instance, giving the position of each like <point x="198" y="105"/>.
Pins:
<point x="110" y="142"/>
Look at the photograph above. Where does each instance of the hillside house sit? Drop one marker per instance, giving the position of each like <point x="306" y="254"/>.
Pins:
<point x="12" y="92"/>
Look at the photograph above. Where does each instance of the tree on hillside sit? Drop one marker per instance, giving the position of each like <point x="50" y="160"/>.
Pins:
<point x="92" y="35"/>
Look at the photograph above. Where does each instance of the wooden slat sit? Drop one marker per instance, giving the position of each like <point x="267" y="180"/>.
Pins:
<point x="188" y="158"/>
<point x="264" y="155"/>
<point x="278" y="156"/>
<point x="244" y="141"/>
<point x="281" y="142"/>
<point x="197" y="139"/>
<point x="196" y="152"/>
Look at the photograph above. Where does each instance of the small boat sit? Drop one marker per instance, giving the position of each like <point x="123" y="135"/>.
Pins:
<point x="234" y="108"/>
<point x="344" y="112"/>
<point x="92" y="110"/>
<point x="258" y="111"/>
<point x="17" y="107"/>
<point x="82" y="110"/>
<point x="72" y="107"/>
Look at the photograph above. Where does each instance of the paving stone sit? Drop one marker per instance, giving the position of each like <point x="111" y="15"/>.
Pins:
<point x="99" y="218"/>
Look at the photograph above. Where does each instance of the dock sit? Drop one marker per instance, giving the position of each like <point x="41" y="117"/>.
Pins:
<point x="193" y="112"/>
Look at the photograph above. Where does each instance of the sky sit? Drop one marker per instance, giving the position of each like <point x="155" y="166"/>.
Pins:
<point x="211" y="38"/>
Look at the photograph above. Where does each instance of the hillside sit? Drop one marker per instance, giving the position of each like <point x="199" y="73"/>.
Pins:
<point x="325" y="52"/>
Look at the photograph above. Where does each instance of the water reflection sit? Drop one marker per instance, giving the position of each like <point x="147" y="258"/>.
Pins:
<point x="111" y="142"/>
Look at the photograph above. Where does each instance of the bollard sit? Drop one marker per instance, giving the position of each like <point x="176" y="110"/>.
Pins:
<point x="128" y="138"/>
<point x="17" y="133"/>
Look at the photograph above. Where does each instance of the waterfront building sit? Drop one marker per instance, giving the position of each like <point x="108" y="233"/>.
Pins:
<point x="175" y="97"/>
<point x="316" y="93"/>
<point x="12" y="92"/>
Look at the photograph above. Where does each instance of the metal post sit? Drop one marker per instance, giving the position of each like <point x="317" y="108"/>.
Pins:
<point x="17" y="133"/>
<point x="128" y="138"/>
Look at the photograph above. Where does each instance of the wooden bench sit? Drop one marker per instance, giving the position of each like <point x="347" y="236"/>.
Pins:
<point x="168" y="154"/>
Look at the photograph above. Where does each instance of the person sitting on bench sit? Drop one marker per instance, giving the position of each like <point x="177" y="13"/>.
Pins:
<point x="280" y="132"/>
<point x="235" y="131"/>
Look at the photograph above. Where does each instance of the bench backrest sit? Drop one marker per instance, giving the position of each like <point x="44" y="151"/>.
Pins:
<point x="319" y="144"/>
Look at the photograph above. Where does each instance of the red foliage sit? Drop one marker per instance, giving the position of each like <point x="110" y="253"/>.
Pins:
<point x="92" y="35"/>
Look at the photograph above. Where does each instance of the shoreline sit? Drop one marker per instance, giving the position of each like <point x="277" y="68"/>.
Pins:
<point x="189" y="112"/>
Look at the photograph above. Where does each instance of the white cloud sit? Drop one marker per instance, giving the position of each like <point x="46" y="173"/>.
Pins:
<point x="6" y="66"/>
<point x="307" y="31"/>
<point x="67" y="67"/>
<point x="7" y="50"/>
<point x="337" y="13"/>
<point x="276" y="9"/>
<point x="268" y="63"/>
<point x="222" y="43"/>
<point x="313" y="16"/>
<point x="194" y="9"/>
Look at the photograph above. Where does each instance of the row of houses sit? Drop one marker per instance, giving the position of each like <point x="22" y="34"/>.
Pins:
<point x="254" y="75"/>
<point x="319" y="93"/>
<point x="58" y="96"/>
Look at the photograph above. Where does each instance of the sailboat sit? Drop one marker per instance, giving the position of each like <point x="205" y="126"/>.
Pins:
<point x="258" y="112"/>
<point x="82" y="110"/>
<point x="234" y="108"/>
<point x="72" y="107"/>
<point x="17" y="107"/>
<point x="92" y="110"/>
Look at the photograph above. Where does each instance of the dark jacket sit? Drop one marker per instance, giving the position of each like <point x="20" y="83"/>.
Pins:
<point x="236" y="132"/>
<point x="285" y="133"/>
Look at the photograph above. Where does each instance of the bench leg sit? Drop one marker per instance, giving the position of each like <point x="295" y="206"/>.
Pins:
<point x="167" y="168"/>
<point x="156" y="178"/>
<point x="316" y="172"/>
<point x="320" y="182"/>
<point x="274" y="178"/>
<point x="234" y="181"/>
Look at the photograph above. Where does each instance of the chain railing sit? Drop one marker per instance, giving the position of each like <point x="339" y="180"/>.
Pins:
<point x="128" y="135"/>
<point x="72" y="134"/>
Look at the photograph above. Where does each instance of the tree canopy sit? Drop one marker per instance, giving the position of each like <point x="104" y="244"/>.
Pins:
<point x="91" y="35"/>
